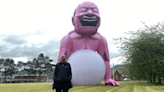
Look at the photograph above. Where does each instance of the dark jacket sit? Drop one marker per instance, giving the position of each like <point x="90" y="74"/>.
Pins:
<point x="62" y="73"/>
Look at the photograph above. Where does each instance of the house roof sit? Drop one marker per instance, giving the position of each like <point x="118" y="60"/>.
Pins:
<point x="114" y="72"/>
<point x="120" y="72"/>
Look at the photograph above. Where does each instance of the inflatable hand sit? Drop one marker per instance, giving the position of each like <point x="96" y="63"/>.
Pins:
<point x="111" y="82"/>
<point x="51" y="83"/>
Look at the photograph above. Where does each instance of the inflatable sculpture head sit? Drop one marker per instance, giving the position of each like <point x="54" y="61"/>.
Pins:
<point x="86" y="19"/>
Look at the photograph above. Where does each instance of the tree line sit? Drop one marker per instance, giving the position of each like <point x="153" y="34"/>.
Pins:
<point x="40" y="65"/>
<point x="144" y="52"/>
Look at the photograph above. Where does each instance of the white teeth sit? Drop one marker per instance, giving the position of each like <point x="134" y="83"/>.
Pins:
<point x="89" y="20"/>
<point x="94" y="17"/>
<point x="88" y="26"/>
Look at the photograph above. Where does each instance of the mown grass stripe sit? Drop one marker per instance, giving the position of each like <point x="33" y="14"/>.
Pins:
<point x="119" y="88"/>
<point x="113" y="88"/>
<point x="84" y="88"/>
<point x="127" y="86"/>
<point x="137" y="87"/>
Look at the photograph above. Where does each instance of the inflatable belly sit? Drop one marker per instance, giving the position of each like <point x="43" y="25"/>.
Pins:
<point x="88" y="67"/>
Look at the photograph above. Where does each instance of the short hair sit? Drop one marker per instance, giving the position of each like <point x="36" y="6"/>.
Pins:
<point x="63" y="57"/>
<point x="74" y="13"/>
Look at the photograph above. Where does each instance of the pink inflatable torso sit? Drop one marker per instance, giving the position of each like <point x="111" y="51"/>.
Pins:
<point x="73" y="42"/>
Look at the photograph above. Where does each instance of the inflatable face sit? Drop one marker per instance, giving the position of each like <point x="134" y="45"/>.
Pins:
<point x="86" y="19"/>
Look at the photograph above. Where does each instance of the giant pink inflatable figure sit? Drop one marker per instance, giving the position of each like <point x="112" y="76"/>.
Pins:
<point x="86" y="21"/>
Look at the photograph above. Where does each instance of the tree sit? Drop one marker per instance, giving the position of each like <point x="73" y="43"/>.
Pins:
<point x="1" y="65"/>
<point x="12" y="69"/>
<point x="28" y="68"/>
<point x="40" y="63"/>
<point x="21" y="67"/>
<point x="144" y="50"/>
<point x="9" y="68"/>
<point x="47" y="66"/>
<point x="35" y="67"/>
<point x="44" y="65"/>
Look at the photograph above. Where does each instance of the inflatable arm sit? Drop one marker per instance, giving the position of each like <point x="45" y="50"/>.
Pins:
<point x="65" y="47"/>
<point x="103" y="51"/>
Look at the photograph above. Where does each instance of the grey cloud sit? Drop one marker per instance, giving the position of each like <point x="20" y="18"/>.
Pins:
<point x="14" y="39"/>
<point x="113" y="54"/>
<point x="19" y="39"/>
<point x="33" y="51"/>
<point x="15" y="46"/>
<point x="2" y="47"/>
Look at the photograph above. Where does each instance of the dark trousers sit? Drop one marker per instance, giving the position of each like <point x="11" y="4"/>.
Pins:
<point x="60" y="90"/>
<point x="62" y="86"/>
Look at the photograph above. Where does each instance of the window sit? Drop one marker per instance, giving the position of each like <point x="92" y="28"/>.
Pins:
<point x="122" y="75"/>
<point x="116" y="77"/>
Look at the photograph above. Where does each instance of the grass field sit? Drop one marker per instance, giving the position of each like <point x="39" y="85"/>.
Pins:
<point x="126" y="86"/>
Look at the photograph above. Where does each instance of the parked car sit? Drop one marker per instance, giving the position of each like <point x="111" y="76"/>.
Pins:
<point x="126" y="79"/>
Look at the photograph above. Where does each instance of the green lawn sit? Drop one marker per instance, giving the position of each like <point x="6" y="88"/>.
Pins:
<point x="45" y="87"/>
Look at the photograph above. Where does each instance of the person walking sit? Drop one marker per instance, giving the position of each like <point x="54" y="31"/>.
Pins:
<point x="63" y="75"/>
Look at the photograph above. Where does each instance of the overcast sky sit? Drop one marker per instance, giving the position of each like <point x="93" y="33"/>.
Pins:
<point x="31" y="27"/>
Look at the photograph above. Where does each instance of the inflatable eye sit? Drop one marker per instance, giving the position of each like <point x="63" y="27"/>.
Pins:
<point x="95" y="10"/>
<point x="83" y="9"/>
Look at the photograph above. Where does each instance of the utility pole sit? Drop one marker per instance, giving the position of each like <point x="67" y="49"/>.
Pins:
<point x="113" y="70"/>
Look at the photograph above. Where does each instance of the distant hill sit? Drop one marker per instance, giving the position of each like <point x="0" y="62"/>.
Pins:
<point x="119" y="68"/>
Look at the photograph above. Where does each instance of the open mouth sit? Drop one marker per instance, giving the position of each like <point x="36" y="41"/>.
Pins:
<point x="89" y="22"/>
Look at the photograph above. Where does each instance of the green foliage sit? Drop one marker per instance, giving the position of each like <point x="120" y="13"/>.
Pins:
<point x="144" y="51"/>
<point x="1" y="64"/>
<point x="8" y="67"/>
<point x="43" y="64"/>
<point x="40" y="65"/>
<point x="21" y="68"/>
